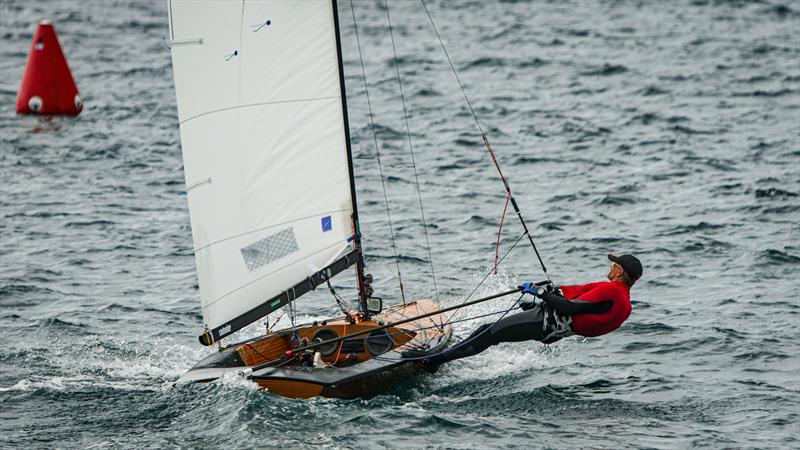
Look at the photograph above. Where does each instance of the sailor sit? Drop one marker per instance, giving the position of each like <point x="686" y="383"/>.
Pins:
<point x="592" y="309"/>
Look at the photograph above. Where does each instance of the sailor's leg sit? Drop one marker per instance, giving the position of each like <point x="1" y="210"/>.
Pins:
<point x="523" y="326"/>
<point x="478" y="341"/>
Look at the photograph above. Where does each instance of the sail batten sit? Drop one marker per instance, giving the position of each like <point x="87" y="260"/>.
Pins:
<point x="265" y="149"/>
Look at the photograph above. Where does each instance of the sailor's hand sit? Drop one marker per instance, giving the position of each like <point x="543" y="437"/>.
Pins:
<point x="527" y="305"/>
<point x="530" y="288"/>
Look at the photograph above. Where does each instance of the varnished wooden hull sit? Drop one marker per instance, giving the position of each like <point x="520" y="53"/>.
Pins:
<point x="361" y="380"/>
<point x="354" y="369"/>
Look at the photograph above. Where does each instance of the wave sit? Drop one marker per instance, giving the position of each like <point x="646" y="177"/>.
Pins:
<point x="688" y="130"/>
<point x="90" y="223"/>
<point x="15" y="289"/>
<point x="710" y="245"/>
<point x="535" y="62"/>
<point x="768" y="94"/>
<point x="773" y="256"/>
<point x="115" y="307"/>
<point x="774" y="193"/>
<point x="779" y="10"/>
<point x="485" y="61"/>
<point x="606" y="70"/>
<point x="576" y="32"/>
<point x="764" y="48"/>
<point x="617" y="200"/>
<point x="650" y="328"/>
<point x="427" y="92"/>
<point x="693" y="228"/>
<point x="650" y="91"/>
<point x="787" y="209"/>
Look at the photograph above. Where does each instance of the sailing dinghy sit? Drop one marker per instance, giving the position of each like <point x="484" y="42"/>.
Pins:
<point x="270" y="188"/>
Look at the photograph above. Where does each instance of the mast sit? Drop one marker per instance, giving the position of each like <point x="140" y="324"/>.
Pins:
<point x="363" y="295"/>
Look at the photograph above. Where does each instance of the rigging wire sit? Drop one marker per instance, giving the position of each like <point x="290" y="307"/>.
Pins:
<point x="411" y="149"/>
<point x="292" y="313"/>
<point x="343" y="305"/>
<point x="483" y="280"/>
<point x="400" y="331"/>
<point x="514" y="204"/>
<point x="467" y="319"/>
<point x="460" y="85"/>
<point x="378" y="154"/>
<point x="499" y="233"/>
<point x="486" y="141"/>
<point x="470" y="339"/>
<point x="269" y="329"/>
<point x="308" y="346"/>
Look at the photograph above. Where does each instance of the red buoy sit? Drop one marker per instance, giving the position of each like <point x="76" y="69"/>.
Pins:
<point x="47" y="85"/>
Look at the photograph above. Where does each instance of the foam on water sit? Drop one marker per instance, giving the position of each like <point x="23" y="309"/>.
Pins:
<point x="236" y="381"/>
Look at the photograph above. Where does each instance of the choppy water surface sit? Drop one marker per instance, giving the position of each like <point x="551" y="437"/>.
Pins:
<point x="666" y="129"/>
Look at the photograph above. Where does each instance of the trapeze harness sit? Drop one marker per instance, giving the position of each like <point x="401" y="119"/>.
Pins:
<point x="601" y="308"/>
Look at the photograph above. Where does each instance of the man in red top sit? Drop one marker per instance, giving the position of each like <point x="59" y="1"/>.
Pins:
<point x="592" y="309"/>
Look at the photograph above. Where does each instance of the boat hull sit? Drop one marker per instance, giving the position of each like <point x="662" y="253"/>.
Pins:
<point x="354" y="368"/>
<point x="354" y="382"/>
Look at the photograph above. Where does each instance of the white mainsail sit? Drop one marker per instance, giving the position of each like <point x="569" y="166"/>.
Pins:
<point x="264" y="146"/>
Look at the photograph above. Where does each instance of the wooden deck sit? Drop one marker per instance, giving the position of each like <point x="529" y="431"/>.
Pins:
<point x="347" y="359"/>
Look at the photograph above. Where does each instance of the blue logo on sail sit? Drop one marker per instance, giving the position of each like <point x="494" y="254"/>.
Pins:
<point x="327" y="224"/>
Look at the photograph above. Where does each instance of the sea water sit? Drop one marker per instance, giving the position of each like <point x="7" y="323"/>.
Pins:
<point x="670" y="130"/>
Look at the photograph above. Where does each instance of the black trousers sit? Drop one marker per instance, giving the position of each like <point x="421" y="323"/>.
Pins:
<point x="522" y="326"/>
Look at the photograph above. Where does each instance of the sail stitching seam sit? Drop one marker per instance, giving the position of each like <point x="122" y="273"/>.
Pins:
<point x="250" y="105"/>
<point x="267" y="228"/>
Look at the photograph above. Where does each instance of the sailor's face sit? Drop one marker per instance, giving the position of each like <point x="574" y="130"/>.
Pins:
<point x="614" y="271"/>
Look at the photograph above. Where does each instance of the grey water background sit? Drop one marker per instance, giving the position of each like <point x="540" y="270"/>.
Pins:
<point x="670" y="130"/>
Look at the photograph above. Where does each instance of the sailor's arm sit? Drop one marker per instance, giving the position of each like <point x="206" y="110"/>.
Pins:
<point x="577" y="306"/>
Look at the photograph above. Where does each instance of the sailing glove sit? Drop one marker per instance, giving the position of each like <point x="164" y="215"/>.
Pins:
<point x="530" y="288"/>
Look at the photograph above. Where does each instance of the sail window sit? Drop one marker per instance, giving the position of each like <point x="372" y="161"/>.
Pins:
<point x="269" y="249"/>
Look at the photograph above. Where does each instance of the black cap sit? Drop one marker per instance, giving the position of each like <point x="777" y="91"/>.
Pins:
<point x="629" y="264"/>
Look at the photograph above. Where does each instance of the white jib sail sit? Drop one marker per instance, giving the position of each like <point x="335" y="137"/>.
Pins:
<point x="264" y="151"/>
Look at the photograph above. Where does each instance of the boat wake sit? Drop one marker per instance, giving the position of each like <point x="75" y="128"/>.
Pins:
<point x="507" y="359"/>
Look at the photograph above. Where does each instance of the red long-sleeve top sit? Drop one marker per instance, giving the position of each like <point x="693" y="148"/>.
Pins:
<point x="598" y="324"/>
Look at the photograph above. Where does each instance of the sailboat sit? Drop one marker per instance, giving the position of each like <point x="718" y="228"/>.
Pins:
<point x="272" y="200"/>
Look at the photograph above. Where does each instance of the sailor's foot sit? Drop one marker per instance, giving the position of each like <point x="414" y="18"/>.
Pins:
<point x="422" y="360"/>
